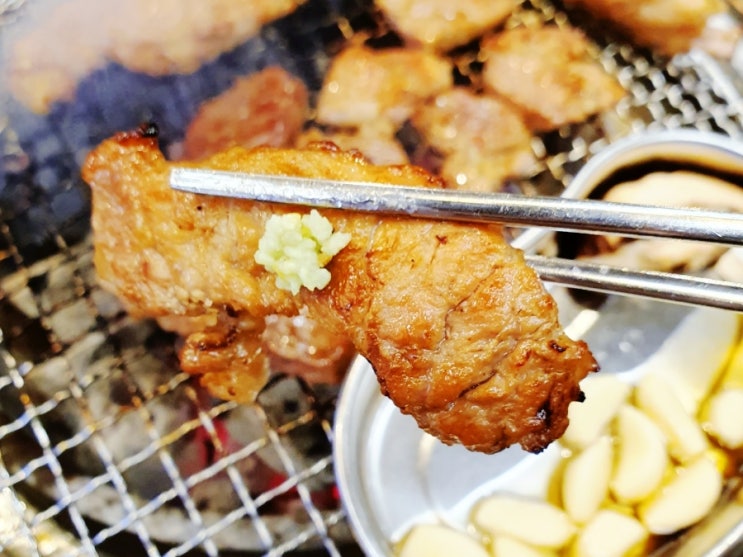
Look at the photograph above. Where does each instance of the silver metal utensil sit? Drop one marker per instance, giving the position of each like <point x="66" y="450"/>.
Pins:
<point x="555" y="213"/>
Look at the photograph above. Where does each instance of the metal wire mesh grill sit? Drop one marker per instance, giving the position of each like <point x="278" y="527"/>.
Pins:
<point x="105" y="447"/>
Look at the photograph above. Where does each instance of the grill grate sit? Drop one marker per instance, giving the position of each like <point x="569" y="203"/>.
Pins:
<point x="105" y="447"/>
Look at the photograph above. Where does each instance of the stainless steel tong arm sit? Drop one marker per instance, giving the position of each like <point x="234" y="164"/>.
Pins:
<point x="557" y="213"/>
<point x="588" y="216"/>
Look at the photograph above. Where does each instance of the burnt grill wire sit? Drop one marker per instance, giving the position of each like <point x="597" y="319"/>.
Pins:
<point x="105" y="447"/>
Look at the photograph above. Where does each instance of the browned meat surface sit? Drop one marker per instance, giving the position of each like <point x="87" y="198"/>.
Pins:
<point x="365" y="86"/>
<point x="300" y="346"/>
<point x="228" y="356"/>
<point x="548" y="74"/>
<point x="62" y="45"/>
<point x="481" y="139"/>
<point x="667" y="26"/>
<point x="376" y="143"/>
<point x="443" y="24"/>
<point x="460" y="331"/>
<point x="269" y="108"/>
<point x="266" y="108"/>
<point x="368" y="94"/>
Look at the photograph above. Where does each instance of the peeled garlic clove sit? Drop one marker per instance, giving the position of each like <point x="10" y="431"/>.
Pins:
<point x="655" y="397"/>
<point x="724" y="418"/>
<point x="604" y="394"/>
<point x="503" y="546"/>
<point x="531" y="521"/>
<point x="692" y="362"/>
<point x="685" y="499"/>
<point x="435" y="540"/>
<point x="642" y="458"/>
<point x="585" y="480"/>
<point x="610" y="534"/>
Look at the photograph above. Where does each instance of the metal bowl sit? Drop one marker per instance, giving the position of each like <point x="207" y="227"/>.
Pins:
<point x="392" y="475"/>
<point x="704" y="151"/>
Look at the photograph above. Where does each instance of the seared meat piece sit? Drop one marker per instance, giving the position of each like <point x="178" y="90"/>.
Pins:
<point x="62" y="45"/>
<point x="368" y="94"/>
<point x="160" y="37"/>
<point x="270" y="108"/>
<point x="228" y="356"/>
<point x="460" y="331"/>
<point x="482" y="139"/>
<point x="365" y="86"/>
<point x="54" y="51"/>
<point x="667" y="26"/>
<point x="376" y="143"/>
<point x="266" y="108"/>
<point x="443" y="24"/>
<point x="549" y="75"/>
<point x="299" y="346"/>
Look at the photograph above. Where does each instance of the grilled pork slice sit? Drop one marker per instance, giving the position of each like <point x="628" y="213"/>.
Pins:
<point x="376" y="142"/>
<point x="365" y="86"/>
<point x="160" y="37"/>
<point x="481" y="139"/>
<point x="268" y="107"/>
<point x="460" y="331"/>
<point x="549" y="74"/>
<point x="667" y="26"/>
<point x="53" y="51"/>
<point x="63" y="44"/>
<point x="443" y="24"/>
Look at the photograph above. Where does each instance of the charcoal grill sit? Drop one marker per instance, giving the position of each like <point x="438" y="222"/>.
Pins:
<point x="106" y="448"/>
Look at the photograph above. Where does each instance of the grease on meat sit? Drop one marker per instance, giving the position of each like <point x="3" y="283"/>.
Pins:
<point x="460" y="331"/>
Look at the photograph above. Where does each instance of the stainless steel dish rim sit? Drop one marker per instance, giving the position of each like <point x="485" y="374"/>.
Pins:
<point x="348" y="426"/>
<point x="705" y="149"/>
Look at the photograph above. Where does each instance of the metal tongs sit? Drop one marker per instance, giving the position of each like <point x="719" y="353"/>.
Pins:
<point x="545" y="213"/>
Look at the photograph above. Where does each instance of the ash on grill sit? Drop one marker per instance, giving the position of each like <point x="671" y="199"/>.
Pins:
<point x="101" y="436"/>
